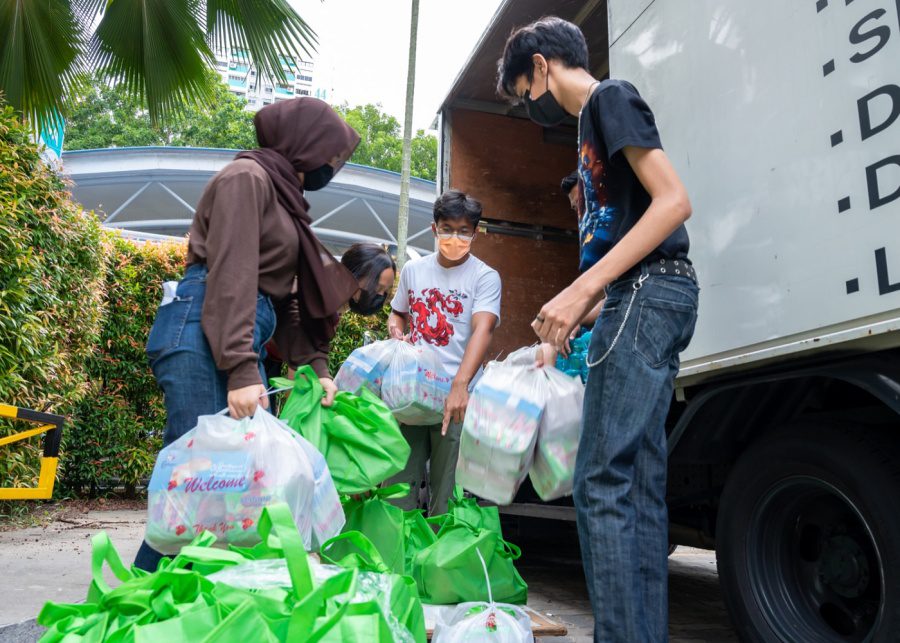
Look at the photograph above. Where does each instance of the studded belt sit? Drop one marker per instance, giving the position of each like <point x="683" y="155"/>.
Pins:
<point x="670" y="267"/>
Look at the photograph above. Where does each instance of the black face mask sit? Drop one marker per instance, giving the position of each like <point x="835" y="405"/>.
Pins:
<point x="546" y="110"/>
<point x="369" y="303"/>
<point x="318" y="178"/>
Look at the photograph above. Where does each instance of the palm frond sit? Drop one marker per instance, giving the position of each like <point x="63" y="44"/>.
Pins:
<point x="40" y="45"/>
<point x="158" y="49"/>
<point x="266" y="29"/>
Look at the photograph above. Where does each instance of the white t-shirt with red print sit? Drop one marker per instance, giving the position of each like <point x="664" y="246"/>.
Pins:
<point x="440" y="303"/>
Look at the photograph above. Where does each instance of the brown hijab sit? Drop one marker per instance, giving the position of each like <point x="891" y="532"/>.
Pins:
<point x="300" y="135"/>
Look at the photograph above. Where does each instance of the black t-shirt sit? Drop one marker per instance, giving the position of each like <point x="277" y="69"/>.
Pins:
<point x="614" y="199"/>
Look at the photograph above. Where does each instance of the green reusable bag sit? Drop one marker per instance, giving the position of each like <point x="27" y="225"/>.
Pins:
<point x="449" y="570"/>
<point x="468" y="510"/>
<point x="177" y="604"/>
<point x="381" y="522"/>
<point x="358" y="552"/>
<point x="417" y="534"/>
<point x="358" y="435"/>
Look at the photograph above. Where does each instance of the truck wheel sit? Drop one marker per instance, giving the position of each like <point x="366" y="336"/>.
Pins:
<point x="808" y="537"/>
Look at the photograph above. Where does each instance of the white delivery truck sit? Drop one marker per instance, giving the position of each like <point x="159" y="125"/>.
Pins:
<point x="783" y="119"/>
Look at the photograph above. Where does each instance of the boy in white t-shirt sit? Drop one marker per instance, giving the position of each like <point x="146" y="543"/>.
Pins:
<point x="449" y="300"/>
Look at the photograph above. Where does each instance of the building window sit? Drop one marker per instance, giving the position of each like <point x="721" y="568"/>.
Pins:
<point x="302" y="92"/>
<point x="306" y="78"/>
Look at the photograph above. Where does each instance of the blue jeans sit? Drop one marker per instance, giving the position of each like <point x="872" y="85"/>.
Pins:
<point x="620" y="472"/>
<point x="184" y="367"/>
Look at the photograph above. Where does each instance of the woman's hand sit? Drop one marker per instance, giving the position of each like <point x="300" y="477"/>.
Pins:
<point x="330" y="390"/>
<point x="242" y="402"/>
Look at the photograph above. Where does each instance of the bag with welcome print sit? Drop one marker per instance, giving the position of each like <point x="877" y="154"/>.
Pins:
<point x="220" y="475"/>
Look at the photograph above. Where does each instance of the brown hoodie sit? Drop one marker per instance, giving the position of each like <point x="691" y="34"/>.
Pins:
<point x="252" y="231"/>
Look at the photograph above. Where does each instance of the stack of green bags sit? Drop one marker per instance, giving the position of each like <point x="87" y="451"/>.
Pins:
<point x="358" y="600"/>
<point x="445" y="566"/>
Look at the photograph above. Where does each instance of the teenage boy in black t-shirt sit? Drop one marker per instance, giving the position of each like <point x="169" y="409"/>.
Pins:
<point x="634" y="253"/>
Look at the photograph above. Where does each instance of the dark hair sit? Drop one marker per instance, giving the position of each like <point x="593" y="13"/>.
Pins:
<point x="552" y="37"/>
<point x="569" y="182"/>
<point x="367" y="261"/>
<point x="454" y="204"/>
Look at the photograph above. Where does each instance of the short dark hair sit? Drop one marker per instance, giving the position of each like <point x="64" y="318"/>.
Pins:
<point x="552" y="37"/>
<point x="569" y="182"/>
<point x="454" y="204"/>
<point x="367" y="261"/>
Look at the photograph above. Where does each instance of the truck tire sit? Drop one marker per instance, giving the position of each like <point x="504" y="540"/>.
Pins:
<point x="808" y="537"/>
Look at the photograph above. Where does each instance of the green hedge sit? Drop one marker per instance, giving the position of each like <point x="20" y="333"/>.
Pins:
<point x="116" y="430"/>
<point x="76" y="306"/>
<point x="51" y="292"/>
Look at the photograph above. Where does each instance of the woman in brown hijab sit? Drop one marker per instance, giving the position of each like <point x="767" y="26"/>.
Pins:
<point x="255" y="271"/>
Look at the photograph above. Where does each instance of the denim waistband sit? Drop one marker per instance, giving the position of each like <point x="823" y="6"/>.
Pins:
<point x="196" y="271"/>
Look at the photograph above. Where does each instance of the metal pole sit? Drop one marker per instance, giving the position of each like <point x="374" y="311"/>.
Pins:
<point x="403" y="214"/>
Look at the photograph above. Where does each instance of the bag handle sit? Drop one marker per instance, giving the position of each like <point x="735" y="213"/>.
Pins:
<point x="396" y="490"/>
<point x="508" y="550"/>
<point x="368" y="558"/>
<point x="103" y="551"/>
<point x="278" y="531"/>
<point x="305" y="613"/>
<point x="487" y="577"/>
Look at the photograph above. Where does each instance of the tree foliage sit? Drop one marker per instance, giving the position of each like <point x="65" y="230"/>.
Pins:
<point x="382" y="142"/>
<point x="107" y="116"/>
<point x="160" y="51"/>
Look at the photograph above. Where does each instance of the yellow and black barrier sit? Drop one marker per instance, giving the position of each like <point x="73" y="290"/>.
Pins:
<point x="51" y="427"/>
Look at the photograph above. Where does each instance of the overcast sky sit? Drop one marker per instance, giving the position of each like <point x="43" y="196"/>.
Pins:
<point x="364" y="48"/>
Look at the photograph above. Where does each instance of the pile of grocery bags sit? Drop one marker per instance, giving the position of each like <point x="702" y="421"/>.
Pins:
<point x="522" y="420"/>
<point x="271" y="592"/>
<point x="240" y="503"/>
<point x="410" y="380"/>
<point x="445" y="565"/>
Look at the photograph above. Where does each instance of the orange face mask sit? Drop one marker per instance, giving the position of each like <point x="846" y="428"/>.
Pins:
<point x="454" y="248"/>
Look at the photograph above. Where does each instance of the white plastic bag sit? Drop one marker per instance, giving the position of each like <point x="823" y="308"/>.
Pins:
<point x="365" y="367"/>
<point x="219" y="476"/>
<point x="415" y="385"/>
<point x="474" y="622"/>
<point x="327" y="512"/>
<point x="483" y="622"/>
<point x="553" y="470"/>
<point x="501" y="427"/>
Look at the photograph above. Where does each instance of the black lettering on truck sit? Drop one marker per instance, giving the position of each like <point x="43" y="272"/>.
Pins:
<point x="858" y="37"/>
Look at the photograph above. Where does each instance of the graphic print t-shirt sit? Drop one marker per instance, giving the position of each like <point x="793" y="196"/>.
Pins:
<point x="441" y="301"/>
<point x="615" y="117"/>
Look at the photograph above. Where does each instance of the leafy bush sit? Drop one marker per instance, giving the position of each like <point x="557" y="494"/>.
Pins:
<point x="351" y="334"/>
<point x="117" y="429"/>
<point x="51" y="292"/>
